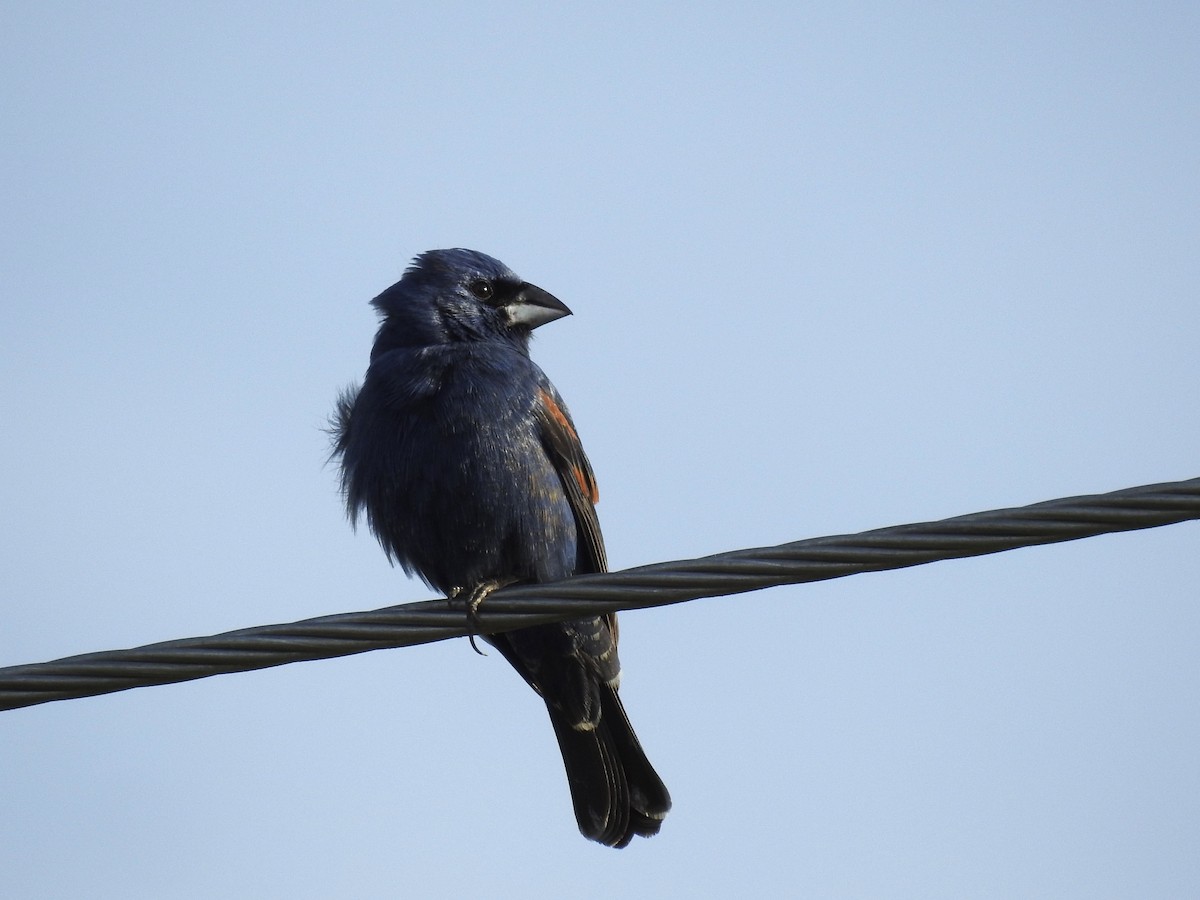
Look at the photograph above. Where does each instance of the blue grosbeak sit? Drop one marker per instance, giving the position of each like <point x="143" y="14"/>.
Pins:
<point x="468" y="467"/>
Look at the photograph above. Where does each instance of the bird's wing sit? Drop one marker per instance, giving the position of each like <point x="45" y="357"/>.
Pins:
<point x="566" y="453"/>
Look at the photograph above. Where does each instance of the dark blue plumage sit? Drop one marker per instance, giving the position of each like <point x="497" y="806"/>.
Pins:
<point x="471" y="475"/>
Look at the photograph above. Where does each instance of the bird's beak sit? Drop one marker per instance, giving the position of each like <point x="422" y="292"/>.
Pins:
<point x="531" y="307"/>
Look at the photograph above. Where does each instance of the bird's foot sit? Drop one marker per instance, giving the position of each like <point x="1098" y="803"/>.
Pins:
<point x="473" y="599"/>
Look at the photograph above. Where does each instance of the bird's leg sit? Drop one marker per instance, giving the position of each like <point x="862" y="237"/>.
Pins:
<point x="473" y="598"/>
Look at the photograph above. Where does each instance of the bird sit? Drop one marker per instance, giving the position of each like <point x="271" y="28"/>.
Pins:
<point x="470" y="473"/>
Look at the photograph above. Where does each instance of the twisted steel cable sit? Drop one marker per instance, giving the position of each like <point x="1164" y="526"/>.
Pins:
<point x="816" y="559"/>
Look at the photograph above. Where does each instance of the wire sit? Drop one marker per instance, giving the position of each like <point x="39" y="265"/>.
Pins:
<point x="661" y="584"/>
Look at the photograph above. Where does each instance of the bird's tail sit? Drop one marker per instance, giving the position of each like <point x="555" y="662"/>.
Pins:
<point x="615" y="790"/>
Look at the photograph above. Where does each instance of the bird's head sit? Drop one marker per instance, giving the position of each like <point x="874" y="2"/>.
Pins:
<point x="463" y="295"/>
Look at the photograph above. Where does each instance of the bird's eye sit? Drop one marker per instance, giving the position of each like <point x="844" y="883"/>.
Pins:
<point x="481" y="289"/>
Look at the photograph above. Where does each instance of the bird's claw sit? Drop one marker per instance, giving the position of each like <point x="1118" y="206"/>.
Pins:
<point x="473" y="599"/>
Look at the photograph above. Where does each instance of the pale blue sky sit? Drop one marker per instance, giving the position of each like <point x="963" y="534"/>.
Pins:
<point x="833" y="267"/>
